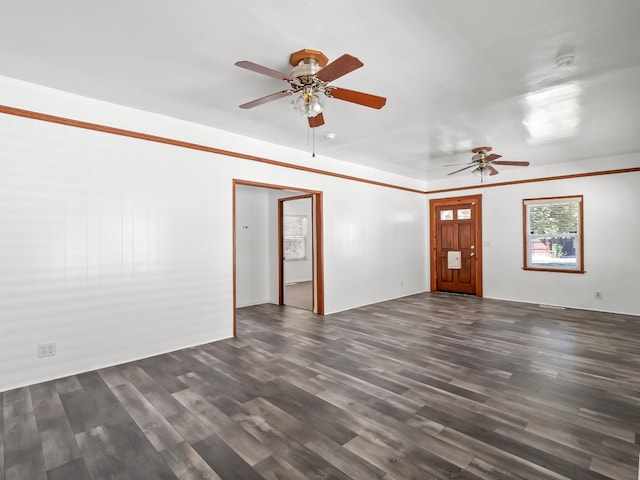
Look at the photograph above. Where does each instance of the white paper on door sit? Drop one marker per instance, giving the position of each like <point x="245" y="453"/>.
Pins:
<point x="453" y="260"/>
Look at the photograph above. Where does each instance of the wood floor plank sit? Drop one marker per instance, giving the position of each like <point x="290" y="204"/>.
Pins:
<point x="23" y="457"/>
<point x="607" y="466"/>
<point x="286" y="435"/>
<point x="585" y="440"/>
<point x="500" y="461"/>
<point x="17" y="402"/>
<point x="25" y="471"/>
<point x="188" y="426"/>
<point x="390" y="399"/>
<point x="137" y="453"/>
<point x="109" y="409"/>
<point x="275" y="468"/>
<point x="345" y="460"/>
<point x="286" y="447"/>
<point x="113" y="377"/>
<point x="156" y="428"/>
<point x="426" y="386"/>
<point x="479" y="428"/>
<point x="186" y="464"/>
<point x="388" y="460"/>
<point x="165" y="371"/>
<point x="485" y="470"/>
<point x="59" y="445"/>
<point x="224" y="460"/>
<point x="81" y="410"/>
<point x="100" y="456"/>
<point x="247" y="447"/>
<point x="67" y="384"/>
<point x="316" y="413"/>
<point x="274" y="417"/>
<point x="399" y="436"/>
<point x="75" y="469"/>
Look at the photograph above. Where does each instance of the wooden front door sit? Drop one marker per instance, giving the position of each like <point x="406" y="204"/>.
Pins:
<point x="456" y="254"/>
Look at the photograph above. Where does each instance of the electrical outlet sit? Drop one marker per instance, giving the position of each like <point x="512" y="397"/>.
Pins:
<point x="46" y="350"/>
<point x="598" y="295"/>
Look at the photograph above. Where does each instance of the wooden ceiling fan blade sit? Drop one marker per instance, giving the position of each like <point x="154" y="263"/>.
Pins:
<point x="268" y="98"/>
<point x="254" y="67"/>
<point x="339" y="67"/>
<point x="455" y="164"/>
<point x="316" y="121"/>
<point x="492" y="170"/>
<point x="515" y="164"/>
<point x="360" y="98"/>
<point x="462" y="169"/>
<point x="491" y="158"/>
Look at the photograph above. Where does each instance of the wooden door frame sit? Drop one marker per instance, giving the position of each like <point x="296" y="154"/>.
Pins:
<point x="318" y="235"/>
<point x="440" y="202"/>
<point x="281" y="247"/>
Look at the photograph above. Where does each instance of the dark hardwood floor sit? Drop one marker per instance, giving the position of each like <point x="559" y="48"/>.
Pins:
<point x="431" y="386"/>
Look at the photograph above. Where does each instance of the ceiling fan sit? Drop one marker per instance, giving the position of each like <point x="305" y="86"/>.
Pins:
<point x="311" y="75"/>
<point x="484" y="163"/>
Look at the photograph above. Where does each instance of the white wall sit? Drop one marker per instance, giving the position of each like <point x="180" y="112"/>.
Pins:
<point x="377" y="242"/>
<point x="611" y="232"/>
<point x="117" y="248"/>
<point x="252" y="246"/>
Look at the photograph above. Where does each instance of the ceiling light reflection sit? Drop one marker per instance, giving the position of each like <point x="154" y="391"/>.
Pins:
<point x="553" y="112"/>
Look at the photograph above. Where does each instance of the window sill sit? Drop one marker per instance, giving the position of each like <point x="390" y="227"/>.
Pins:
<point x="556" y="270"/>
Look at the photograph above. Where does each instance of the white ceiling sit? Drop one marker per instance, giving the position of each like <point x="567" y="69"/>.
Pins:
<point x="456" y="73"/>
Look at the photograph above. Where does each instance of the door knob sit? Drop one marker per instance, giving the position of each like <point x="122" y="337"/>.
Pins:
<point x="472" y="254"/>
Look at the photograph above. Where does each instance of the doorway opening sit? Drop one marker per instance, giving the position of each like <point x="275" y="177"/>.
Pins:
<point x="296" y="251"/>
<point x="456" y="244"/>
<point x="260" y="273"/>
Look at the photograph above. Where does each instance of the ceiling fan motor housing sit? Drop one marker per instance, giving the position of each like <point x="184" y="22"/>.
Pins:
<point x="479" y="153"/>
<point x="306" y="54"/>
<point x="306" y="68"/>
<point x="306" y="63"/>
<point x="478" y="157"/>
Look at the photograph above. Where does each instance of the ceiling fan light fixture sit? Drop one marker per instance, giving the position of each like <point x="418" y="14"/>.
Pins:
<point x="315" y="106"/>
<point x="308" y="104"/>
<point x="481" y="172"/>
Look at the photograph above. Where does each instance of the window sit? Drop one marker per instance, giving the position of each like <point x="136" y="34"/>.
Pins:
<point x="553" y="234"/>
<point x="464" y="214"/>
<point x="446" y="215"/>
<point x="295" y="237"/>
